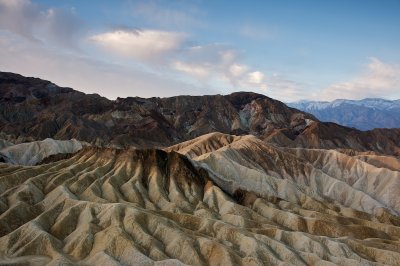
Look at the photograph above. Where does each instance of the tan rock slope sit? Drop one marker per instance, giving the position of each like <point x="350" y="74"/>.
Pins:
<point x="31" y="153"/>
<point x="237" y="201"/>
<point x="246" y="162"/>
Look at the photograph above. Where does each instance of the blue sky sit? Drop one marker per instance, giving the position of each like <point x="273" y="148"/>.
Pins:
<point x="289" y="50"/>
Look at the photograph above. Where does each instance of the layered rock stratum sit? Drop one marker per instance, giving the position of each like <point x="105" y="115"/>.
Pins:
<point x="150" y="182"/>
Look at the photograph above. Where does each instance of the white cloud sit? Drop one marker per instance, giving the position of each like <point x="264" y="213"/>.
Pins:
<point x="379" y="79"/>
<point x="219" y="64"/>
<point x="210" y="65"/>
<point x="237" y="70"/>
<point x="30" y="20"/>
<point x="256" y="77"/>
<point x="228" y="56"/>
<point x="88" y="75"/>
<point x="17" y="16"/>
<point x="140" y="44"/>
<point x="201" y="72"/>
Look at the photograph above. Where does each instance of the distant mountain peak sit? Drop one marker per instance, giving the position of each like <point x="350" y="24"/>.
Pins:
<point x="363" y="114"/>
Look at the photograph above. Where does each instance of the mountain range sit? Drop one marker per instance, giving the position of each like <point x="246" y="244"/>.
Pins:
<point x="34" y="109"/>
<point x="239" y="179"/>
<point x="363" y="114"/>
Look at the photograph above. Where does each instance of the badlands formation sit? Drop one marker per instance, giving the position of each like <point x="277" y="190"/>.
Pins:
<point x="215" y="200"/>
<point x="89" y="181"/>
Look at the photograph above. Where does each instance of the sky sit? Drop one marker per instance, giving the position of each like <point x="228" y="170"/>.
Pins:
<point x="287" y="50"/>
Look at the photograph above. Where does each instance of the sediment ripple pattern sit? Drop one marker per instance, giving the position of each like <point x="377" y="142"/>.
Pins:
<point x="151" y="207"/>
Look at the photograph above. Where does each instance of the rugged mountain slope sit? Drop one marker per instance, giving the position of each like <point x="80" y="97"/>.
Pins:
<point x="33" y="109"/>
<point x="151" y="207"/>
<point x="333" y="136"/>
<point x="364" y="114"/>
<point x="36" y="109"/>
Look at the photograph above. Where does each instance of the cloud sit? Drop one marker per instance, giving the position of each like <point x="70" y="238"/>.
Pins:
<point x="208" y="65"/>
<point x="238" y="70"/>
<point x="30" y="20"/>
<point x="17" y="16"/>
<point x="165" y="56"/>
<point x="219" y="64"/>
<point x="255" y="77"/>
<point x="140" y="44"/>
<point x="87" y="74"/>
<point x="204" y="61"/>
<point x="285" y="89"/>
<point x="379" y="79"/>
<point x="201" y="72"/>
<point x="62" y="26"/>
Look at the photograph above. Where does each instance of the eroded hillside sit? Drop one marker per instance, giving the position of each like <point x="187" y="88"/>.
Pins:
<point x="237" y="201"/>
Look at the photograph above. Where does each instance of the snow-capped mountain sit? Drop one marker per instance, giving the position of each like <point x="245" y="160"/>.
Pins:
<point x="363" y="114"/>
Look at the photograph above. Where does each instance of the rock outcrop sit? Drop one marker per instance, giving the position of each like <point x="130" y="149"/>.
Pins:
<point x="34" y="109"/>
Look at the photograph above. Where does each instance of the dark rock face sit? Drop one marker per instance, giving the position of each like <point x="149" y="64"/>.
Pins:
<point x="34" y="109"/>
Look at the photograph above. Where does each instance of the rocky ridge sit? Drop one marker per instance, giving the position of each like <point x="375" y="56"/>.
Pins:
<point x="33" y="109"/>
